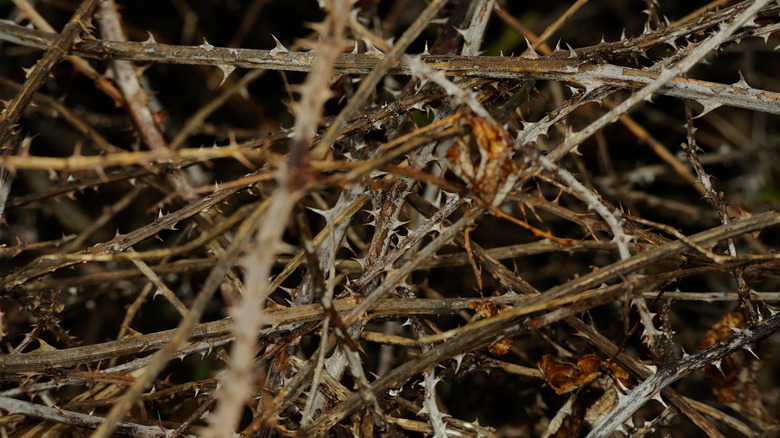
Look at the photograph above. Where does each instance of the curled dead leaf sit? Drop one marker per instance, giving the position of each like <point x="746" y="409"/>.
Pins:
<point x="565" y="377"/>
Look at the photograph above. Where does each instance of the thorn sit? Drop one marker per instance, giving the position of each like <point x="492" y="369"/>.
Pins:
<point x="372" y="51"/>
<point x="736" y="330"/>
<point x="708" y="106"/>
<point x="622" y="389"/>
<point x="149" y="40"/>
<point x="363" y="262"/>
<point x="717" y="365"/>
<point x="226" y="71"/>
<point x="752" y="353"/>
<point x="206" y="46"/>
<point x="657" y="397"/>
<point x="530" y="53"/>
<point x="572" y="53"/>
<point x="327" y="214"/>
<point x="742" y="84"/>
<point x="43" y="346"/>
<point x="131" y="333"/>
<point x="281" y="49"/>
<point x="458" y="359"/>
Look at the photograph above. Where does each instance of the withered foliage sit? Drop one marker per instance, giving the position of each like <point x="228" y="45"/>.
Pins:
<point x="389" y="218"/>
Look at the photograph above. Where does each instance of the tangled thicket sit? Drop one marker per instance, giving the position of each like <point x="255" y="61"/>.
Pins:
<point x="280" y="218"/>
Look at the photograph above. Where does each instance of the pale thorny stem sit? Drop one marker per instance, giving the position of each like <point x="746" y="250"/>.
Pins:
<point x="612" y="218"/>
<point x="6" y="175"/>
<point x="80" y="420"/>
<point x="337" y="363"/>
<point x="472" y="37"/>
<point x="340" y="214"/>
<point x="429" y="225"/>
<point x="315" y="399"/>
<point x="370" y="82"/>
<point x="319" y="368"/>
<point x="394" y="263"/>
<point x="325" y="252"/>
<point x="384" y="224"/>
<point x="592" y="199"/>
<point x="398" y="275"/>
<point x="760" y="100"/>
<point x="6" y="180"/>
<point x="430" y="406"/>
<point x="429" y="403"/>
<point x="615" y="223"/>
<point x="574" y="140"/>
<point x="719" y="204"/>
<point x="249" y="316"/>
<point x="361" y="381"/>
<point x="136" y="98"/>
<point x="692" y="58"/>
<point x="653" y="385"/>
<point x="650" y="387"/>
<point x="239" y="379"/>
<point x="327" y="299"/>
<point x="478" y="333"/>
<point x="179" y="338"/>
<point x="465" y="96"/>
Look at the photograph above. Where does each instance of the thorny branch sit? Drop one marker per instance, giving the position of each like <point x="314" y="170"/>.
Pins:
<point x="560" y="66"/>
<point x="667" y="375"/>
<point x="407" y="220"/>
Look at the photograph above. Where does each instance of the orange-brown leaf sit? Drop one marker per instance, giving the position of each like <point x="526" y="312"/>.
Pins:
<point x="565" y="376"/>
<point x="501" y="347"/>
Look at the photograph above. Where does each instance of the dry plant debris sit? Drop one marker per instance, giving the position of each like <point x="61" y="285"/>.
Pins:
<point x="389" y="218"/>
